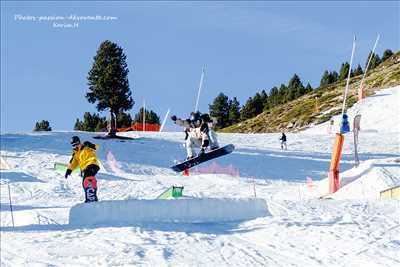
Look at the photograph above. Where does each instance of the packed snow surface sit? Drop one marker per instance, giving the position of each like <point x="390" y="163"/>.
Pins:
<point x="296" y="227"/>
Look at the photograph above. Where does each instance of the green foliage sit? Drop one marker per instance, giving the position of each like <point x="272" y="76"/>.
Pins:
<point x="91" y="123"/>
<point x="344" y="71"/>
<point x="108" y="79"/>
<point x="295" y="87"/>
<point x="234" y="111"/>
<point x="281" y="97"/>
<point x="329" y="78"/>
<point x="253" y="107"/>
<point x="219" y="110"/>
<point x="124" y="120"/>
<point x="308" y="88"/>
<point x="42" y="126"/>
<point x="150" y="116"/>
<point x="358" y="71"/>
<point x="375" y="60"/>
<point x="387" y="54"/>
<point x="275" y="95"/>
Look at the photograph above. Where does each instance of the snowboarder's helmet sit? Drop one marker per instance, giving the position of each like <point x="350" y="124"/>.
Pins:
<point x="75" y="141"/>
<point x="195" y="118"/>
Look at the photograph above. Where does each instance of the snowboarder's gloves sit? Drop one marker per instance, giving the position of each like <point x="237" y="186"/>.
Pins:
<point x="173" y="117"/>
<point x="205" y="144"/>
<point x="67" y="173"/>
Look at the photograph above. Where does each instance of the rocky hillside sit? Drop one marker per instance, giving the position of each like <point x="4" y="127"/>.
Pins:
<point x="321" y="104"/>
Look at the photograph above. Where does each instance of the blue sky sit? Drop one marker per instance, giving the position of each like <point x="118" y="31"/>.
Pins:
<point x="245" y="46"/>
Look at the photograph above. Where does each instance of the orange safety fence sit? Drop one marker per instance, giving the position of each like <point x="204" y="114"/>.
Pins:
<point x="148" y="127"/>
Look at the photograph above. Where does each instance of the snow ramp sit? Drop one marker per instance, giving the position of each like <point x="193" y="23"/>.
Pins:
<point x="189" y="210"/>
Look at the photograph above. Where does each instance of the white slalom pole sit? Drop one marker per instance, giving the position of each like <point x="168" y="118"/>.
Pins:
<point x="164" y="121"/>
<point x="199" y="91"/>
<point x="369" y="60"/>
<point x="348" y="76"/>
<point x="144" y="116"/>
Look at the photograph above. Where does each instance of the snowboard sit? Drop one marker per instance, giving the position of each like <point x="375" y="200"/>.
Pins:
<point x="118" y="137"/>
<point x="225" y="150"/>
<point x="90" y="188"/>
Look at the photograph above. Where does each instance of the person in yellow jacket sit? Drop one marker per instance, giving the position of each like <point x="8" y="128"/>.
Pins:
<point x="84" y="156"/>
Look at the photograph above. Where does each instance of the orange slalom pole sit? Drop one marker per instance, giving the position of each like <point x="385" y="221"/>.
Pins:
<point x="361" y="93"/>
<point x="335" y="161"/>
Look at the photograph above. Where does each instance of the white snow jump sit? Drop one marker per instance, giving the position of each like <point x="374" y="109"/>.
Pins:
<point x="204" y="210"/>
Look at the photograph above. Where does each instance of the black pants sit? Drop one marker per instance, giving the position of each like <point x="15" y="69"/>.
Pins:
<point x="90" y="191"/>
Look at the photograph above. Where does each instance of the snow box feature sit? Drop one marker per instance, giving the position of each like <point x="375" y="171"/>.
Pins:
<point x="202" y="210"/>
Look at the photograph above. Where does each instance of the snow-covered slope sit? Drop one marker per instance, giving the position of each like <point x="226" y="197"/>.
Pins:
<point x="354" y="228"/>
<point x="379" y="113"/>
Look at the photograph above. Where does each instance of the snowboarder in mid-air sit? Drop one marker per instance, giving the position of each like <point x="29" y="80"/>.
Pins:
<point x="283" y="141"/>
<point x="199" y="133"/>
<point x="84" y="156"/>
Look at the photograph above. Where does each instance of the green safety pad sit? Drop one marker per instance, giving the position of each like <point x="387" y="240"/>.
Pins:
<point x="63" y="167"/>
<point x="172" y="192"/>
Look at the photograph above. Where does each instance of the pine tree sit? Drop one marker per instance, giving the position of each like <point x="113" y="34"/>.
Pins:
<point x="234" y="111"/>
<point x="246" y="112"/>
<point x="295" y="87"/>
<point x="219" y="110"/>
<point x="358" y="70"/>
<point x="258" y="104"/>
<point x="78" y="125"/>
<point x="91" y="123"/>
<point x="124" y="120"/>
<point x="283" y="95"/>
<point x="273" y="98"/>
<point x="375" y="61"/>
<point x="264" y="98"/>
<point x="308" y="88"/>
<point x="387" y="54"/>
<point x="42" y="126"/>
<point x="326" y="79"/>
<point x="150" y="116"/>
<point x="108" y="80"/>
<point x="344" y="71"/>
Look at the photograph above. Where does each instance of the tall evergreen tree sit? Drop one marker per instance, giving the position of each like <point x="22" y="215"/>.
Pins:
<point x="108" y="80"/>
<point x="375" y="61"/>
<point x="295" y="87"/>
<point x="91" y="123"/>
<point x="328" y="78"/>
<point x="219" y="109"/>
<point x="358" y="70"/>
<point x="283" y="95"/>
<point x="234" y="111"/>
<point x="264" y="98"/>
<point x="308" y="88"/>
<point x="42" y="126"/>
<point x="150" y="117"/>
<point x="334" y="76"/>
<point x="258" y="104"/>
<point x="325" y="79"/>
<point x="124" y="120"/>
<point x="247" y="110"/>
<point x="387" y="54"/>
<point x="274" y="96"/>
<point x="344" y="71"/>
